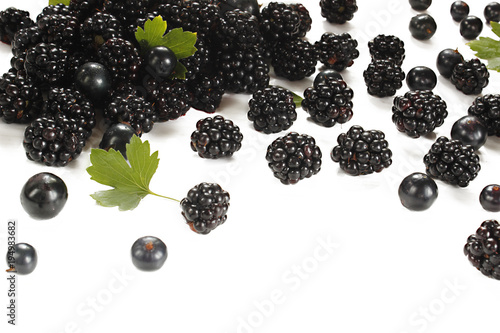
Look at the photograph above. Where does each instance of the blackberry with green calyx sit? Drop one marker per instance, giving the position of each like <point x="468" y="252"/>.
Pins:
<point x="205" y="207"/>
<point x="23" y="258"/>
<point x="272" y="110"/>
<point x="44" y="195"/>
<point x="459" y="10"/>
<point x="62" y="30"/>
<point x="421" y="78"/>
<point x="470" y="77"/>
<point x="487" y="109"/>
<point x="470" y="130"/>
<point x="131" y="109"/>
<point x="47" y="63"/>
<point x="149" y="253"/>
<point x="452" y="162"/>
<point x="236" y="29"/>
<point x="22" y="41"/>
<point x="387" y="47"/>
<point x="422" y="26"/>
<point x="338" y="11"/>
<point x="116" y="137"/>
<point x="447" y="60"/>
<point x="383" y="78"/>
<point x="471" y="27"/>
<point x="492" y="12"/>
<point x="216" y="137"/>
<point x="83" y="9"/>
<point x="329" y="104"/>
<point x="420" y="5"/>
<point x="171" y="99"/>
<point x="482" y="249"/>
<point x="490" y="198"/>
<point x="11" y="21"/>
<point x="418" y="112"/>
<point x="279" y="21"/>
<point x="97" y="29"/>
<point x="207" y="91"/>
<point x="337" y="51"/>
<point x="326" y="76"/>
<point x="294" y="60"/>
<point x="294" y="157"/>
<point x="121" y="58"/>
<point x="361" y="152"/>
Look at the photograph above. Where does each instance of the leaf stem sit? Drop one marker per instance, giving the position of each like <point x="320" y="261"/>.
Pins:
<point x="162" y="196"/>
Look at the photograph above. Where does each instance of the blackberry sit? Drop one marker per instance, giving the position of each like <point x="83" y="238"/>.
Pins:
<point x="305" y="19"/>
<point x="383" y="78"/>
<point x="207" y="92"/>
<point x="387" y="47"/>
<point x="295" y="59"/>
<point x="205" y="207"/>
<point x="279" y="21"/>
<point x="47" y="62"/>
<point x="272" y="110"/>
<point x="127" y="10"/>
<point x="97" y="29"/>
<point x="24" y="40"/>
<point x="11" y="21"/>
<point x="121" y="58"/>
<point x="20" y="97"/>
<point x="201" y="60"/>
<point x="482" y="249"/>
<point x="338" y="11"/>
<point x="59" y="29"/>
<point x="337" y="51"/>
<point x="361" y="152"/>
<point x="237" y="29"/>
<point x="53" y="141"/>
<point x="84" y="9"/>
<point x="59" y="9"/>
<point x="487" y="109"/>
<point x="170" y="99"/>
<point x="452" y="162"/>
<point x="216" y="137"/>
<point x="418" y="112"/>
<point x="329" y="104"/>
<point x="470" y="77"/>
<point x="294" y="157"/>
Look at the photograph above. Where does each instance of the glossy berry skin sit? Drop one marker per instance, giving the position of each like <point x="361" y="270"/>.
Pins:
<point x="117" y="136"/>
<point x="44" y="195"/>
<point x="422" y="26"/>
<point x="471" y="27"/>
<point x="160" y="62"/>
<point x="149" y="253"/>
<point x="420" y="4"/>
<point x="470" y="130"/>
<point x="249" y="6"/>
<point x="482" y="249"/>
<point x="421" y="78"/>
<point x="492" y="12"/>
<point x="23" y="257"/>
<point x="94" y="80"/>
<point x="418" y="191"/>
<point x="326" y="76"/>
<point x="447" y="60"/>
<point x="459" y="10"/>
<point x="490" y="198"/>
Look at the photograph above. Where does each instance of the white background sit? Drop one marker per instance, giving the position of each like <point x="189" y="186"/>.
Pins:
<point x="269" y="268"/>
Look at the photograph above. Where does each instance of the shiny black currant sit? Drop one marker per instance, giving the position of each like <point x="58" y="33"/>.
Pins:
<point x="447" y="60"/>
<point x="94" y="80"/>
<point x="421" y="78"/>
<point x="420" y="5"/>
<point x="160" y="62"/>
<point x="471" y="27"/>
<point x="490" y="198"/>
<point x="459" y="10"/>
<point x="116" y="137"/>
<point x="418" y="191"/>
<point x="23" y="258"/>
<point x="470" y="130"/>
<point x="149" y="253"/>
<point x="492" y="12"/>
<point x="422" y="26"/>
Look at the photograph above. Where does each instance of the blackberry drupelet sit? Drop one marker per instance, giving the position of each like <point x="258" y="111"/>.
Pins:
<point x="338" y="11"/>
<point x="59" y="29"/>
<point x="295" y="59"/>
<point x="24" y="40"/>
<point x="383" y="78"/>
<point x="207" y="91"/>
<point x="201" y="60"/>
<point x="470" y="77"/>
<point x="328" y="104"/>
<point x="59" y="9"/>
<point x="387" y="47"/>
<point x="236" y="29"/>
<point x="83" y="9"/>
<point x="361" y="152"/>
<point x="170" y="99"/>
<point x="121" y="58"/>
<point x="11" y="21"/>
<point x="205" y="207"/>
<point x="53" y="141"/>
<point x="272" y="110"/>
<point x="279" y="21"/>
<point x="47" y="62"/>
<point x="337" y="51"/>
<point x="294" y="157"/>
<point x="97" y="29"/>
<point x="418" y="112"/>
<point x="452" y="162"/>
<point x="487" y="109"/>
<point x="216" y="137"/>
<point x="305" y="23"/>
<point x="127" y="11"/>
<point x="482" y="249"/>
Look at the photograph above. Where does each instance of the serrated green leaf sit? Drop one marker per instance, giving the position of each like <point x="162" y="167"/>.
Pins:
<point x="152" y="34"/>
<point x="495" y="27"/>
<point x="181" y="42"/>
<point x="485" y="47"/>
<point x="124" y="200"/>
<point x="179" y="71"/>
<point x="56" y="2"/>
<point x="494" y="64"/>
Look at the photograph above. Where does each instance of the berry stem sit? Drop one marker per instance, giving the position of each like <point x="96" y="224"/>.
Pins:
<point x="162" y="196"/>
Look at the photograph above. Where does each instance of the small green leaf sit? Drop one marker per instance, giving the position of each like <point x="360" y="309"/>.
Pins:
<point x="152" y="34"/>
<point x="56" y="2"/>
<point x="181" y="42"/>
<point x="297" y="100"/>
<point x="495" y="27"/>
<point x="494" y="64"/>
<point x="179" y="71"/>
<point x="485" y="47"/>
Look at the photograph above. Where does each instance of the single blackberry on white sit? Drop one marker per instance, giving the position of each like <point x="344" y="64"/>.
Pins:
<point x="205" y="207"/>
<point x="452" y="162"/>
<point x="54" y="140"/>
<point x="97" y="29"/>
<point x="418" y="112"/>
<point x="48" y="63"/>
<point x="470" y="77"/>
<point x="216" y="137"/>
<point x="482" y="249"/>
<point x="383" y="78"/>
<point x="294" y="157"/>
<point x="207" y="91"/>
<point x="11" y="21"/>
<point x="83" y="9"/>
<point x="24" y="40"/>
<point x="487" y="108"/>
<point x="361" y="152"/>
<point x="62" y="30"/>
<point x="121" y="58"/>
<point x="338" y="11"/>
<point x="294" y="60"/>
<point x="387" y="47"/>
<point x="337" y="51"/>
<point x="328" y="104"/>
<point x="272" y="110"/>
<point x="305" y="22"/>
<point x="171" y="99"/>
<point x="237" y="29"/>
<point x="279" y="21"/>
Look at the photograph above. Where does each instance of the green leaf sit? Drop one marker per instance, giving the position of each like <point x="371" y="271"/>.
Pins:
<point x="494" y="64"/>
<point x="179" y="71"/>
<point x="152" y="34"/>
<point x="495" y="27"/>
<point x="181" y="42"/>
<point x="485" y="47"/>
<point x="115" y="197"/>
<point x="56" y="2"/>
<point x="297" y="100"/>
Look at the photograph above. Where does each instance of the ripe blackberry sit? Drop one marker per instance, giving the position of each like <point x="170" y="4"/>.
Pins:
<point x="329" y="104"/>
<point x="83" y="9"/>
<point x="202" y="59"/>
<point x="295" y="59"/>
<point x="337" y="51"/>
<point x="11" y="21"/>
<point x="24" y="40"/>
<point x="361" y="152"/>
<point x="387" y="47"/>
<point x="121" y="58"/>
<point x="470" y="77"/>
<point x="59" y="29"/>
<point x="487" y="109"/>
<point x="237" y="29"/>
<point x="452" y="162"/>
<point x="279" y="21"/>
<point x="272" y="110"/>
<point x="338" y="11"/>
<point x="294" y="157"/>
<point x="207" y="91"/>
<point x="383" y="78"/>
<point x="58" y="9"/>
<point x="47" y="62"/>
<point x="216" y="137"/>
<point x="305" y="18"/>
<point x="20" y="97"/>
<point x="53" y="141"/>
<point x="205" y="207"/>
<point x="482" y="249"/>
<point x="170" y="99"/>
<point x="97" y="29"/>
<point x="418" y="112"/>
<point x="127" y="11"/>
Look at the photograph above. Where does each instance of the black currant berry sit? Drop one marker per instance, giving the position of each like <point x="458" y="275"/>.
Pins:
<point x="94" y="80"/>
<point x="421" y="78"/>
<point x="422" y="26"/>
<point x="471" y="27"/>
<point x="326" y="76"/>
<point x="149" y="253"/>
<point x="160" y="62"/>
<point x="117" y="136"/>
<point x="471" y="131"/>
<point x="492" y="12"/>
<point x="418" y="191"/>
<point x="249" y="6"/>
<point x="420" y="5"/>
<point x="459" y="10"/>
<point x="44" y="195"/>
<point x="23" y="257"/>
<point x="490" y="198"/>
<point x="447" y="60"/>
